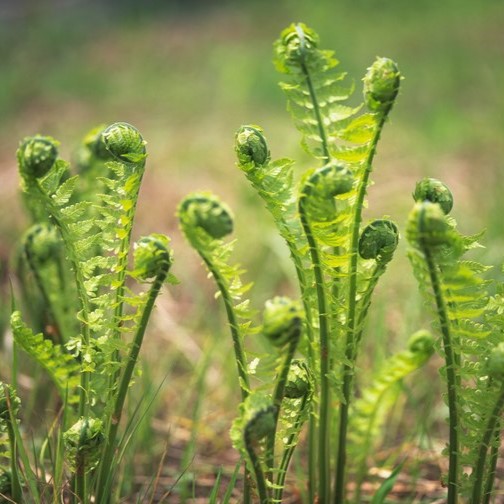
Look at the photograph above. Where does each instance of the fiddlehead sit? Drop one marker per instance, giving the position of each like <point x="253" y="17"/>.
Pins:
<point x="435" y="191"/>
<point x="460" y="297"/>
<point x="255" y="422"/>
<point x="282" y="324"/>
<point x="205" y="220"/>
<point x="381" y="85"/>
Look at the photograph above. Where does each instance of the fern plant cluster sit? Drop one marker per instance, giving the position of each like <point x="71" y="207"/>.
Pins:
<point x="80" y="309"/>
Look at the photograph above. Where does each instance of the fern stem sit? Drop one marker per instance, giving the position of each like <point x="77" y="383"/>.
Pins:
<point x="278" y="396"/>
<point x="15" y="484"/>
<point x="483" y="448"/>
<point x="233" y="326"/>
<point x="451" y="375"/>
<point x="287" y="455"/>
<point x="262" y="488"/>
<point x="339" y="484"/>
<point x="494" y="456"/>
<point x="106" y="469"/>
<point x="323" y="435"/>
<point x="238" y="350"/>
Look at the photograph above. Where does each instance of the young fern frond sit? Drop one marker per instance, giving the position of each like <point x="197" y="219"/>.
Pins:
<point x="205" y="220"/>
<point x="59" y="364"/>
<point x="461" y="300"/>
<point x="315" y="91"/>
<point x="369" y="412"/>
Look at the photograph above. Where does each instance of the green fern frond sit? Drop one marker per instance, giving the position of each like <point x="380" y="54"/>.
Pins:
<point x="370" y="411"/>
<point x="61" y="366"/>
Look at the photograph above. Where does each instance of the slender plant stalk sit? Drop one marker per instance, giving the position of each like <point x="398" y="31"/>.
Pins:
<point x="494" y="456"/>
<point x="15" y="484"/>
<point x="323" y="435"/>
<point x="233" y="326"/>
<point x="106" y="470"/>
<point x="489" y="433"/>
<point x="20" y="450"/>
<point x="278" y="396"/>
<point x="451" y="375"/>
<point x="287" y="456"/>
<point x="239" y="353"/>
<point x="262" y="488"/>
<point x="339" y="484"/>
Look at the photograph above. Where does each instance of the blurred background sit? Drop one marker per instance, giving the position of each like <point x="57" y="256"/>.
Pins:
<point x="188" y="73"/>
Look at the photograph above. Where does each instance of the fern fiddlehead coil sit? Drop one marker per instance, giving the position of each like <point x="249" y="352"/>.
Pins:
<point x="251" y="147"/>
<point x="124" y="143"/>
<point x="37" y="155"/>
<point x="282" y="320"/>
<point x="206" y="212"/>
<point x="435" y="191"/>
<point x="381" y="85"/>
<point x="379" y="240"/>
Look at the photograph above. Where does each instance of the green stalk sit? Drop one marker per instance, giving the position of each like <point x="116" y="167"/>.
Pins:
<point x="262" y="488"/>
<point x="451" y="375"/>
<point x="238" y="350"/>
<point x="106" y="464"/>
<point x="323" y="437"/>
<point x="233" y="326"/>
<point x="278" y="396"/>
<point x="339" y="484"/>
<point x="15" y="484"/>
<point x="494" y="456"/>
<point x="286" y="457"/>
<point x="14" y="434"/>
<point x="483" y="448"/>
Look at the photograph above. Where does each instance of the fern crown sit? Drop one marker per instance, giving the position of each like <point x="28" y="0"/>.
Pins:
<point x="431" y="189"/>
<point x="36" y="156"/>
<point x="152" y="256"/>
<point x="124" y="143"/>
<point x="282" y="320"/>
<point x="381" y="85"/>
<point x="207" y="212"/>
<point x="251" y="146"/>
<point x="378" y="240"/>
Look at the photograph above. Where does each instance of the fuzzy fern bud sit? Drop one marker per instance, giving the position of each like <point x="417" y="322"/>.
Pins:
<point x="495" y="363"/>
<point x="124" y="143"/>
<point x="42" y="242"/>
<point x="282" y="320"/>
<point x="381" y="85"/>
<point x="251" y="147"/>
<point x="421" y="342"/>
<point x="431" y="189"/>
<point x="299" y="380"/>
<point x="378" y="241"/>
<point x="84" y="440"/>
<point x="322" y="187"/>
<point x="36" y="156"/>
<point x="207" y="212"/>
<point x="9" y="401"/>
<point x="152" y="256"/>
<point x="427" y="224"/>
<point x="296" y="47"/>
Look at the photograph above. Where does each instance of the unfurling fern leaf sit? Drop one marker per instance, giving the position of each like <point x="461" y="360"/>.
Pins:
<point x="459" y="295"/>
<point x="60" y="365"/>
<point x="369" y="412"/>
<point x="205" y="221"/>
